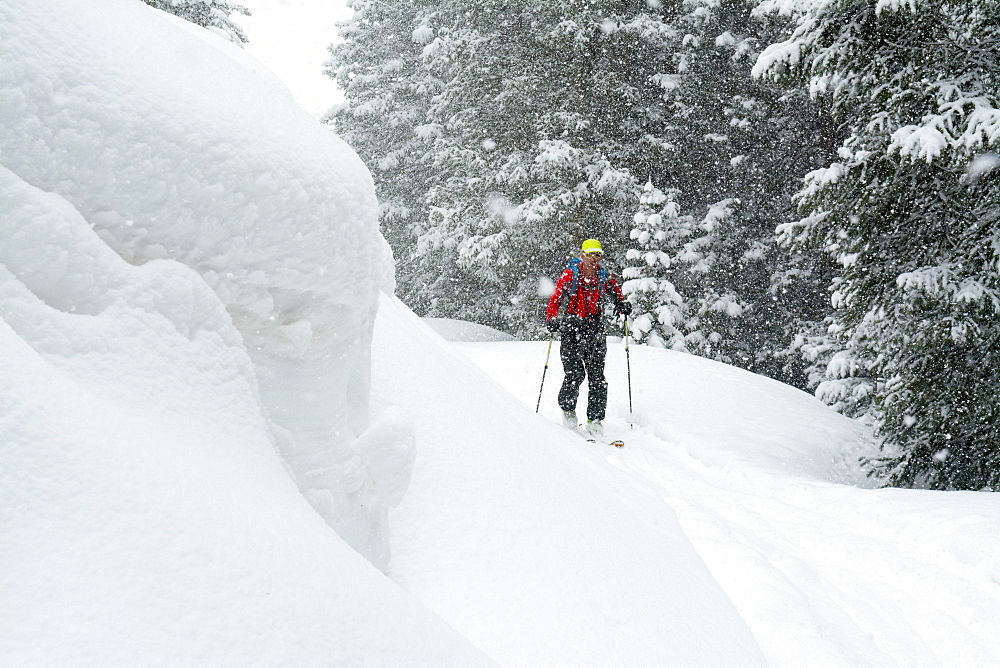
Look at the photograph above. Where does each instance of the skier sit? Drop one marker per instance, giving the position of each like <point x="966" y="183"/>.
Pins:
<point x="574" y="311"/>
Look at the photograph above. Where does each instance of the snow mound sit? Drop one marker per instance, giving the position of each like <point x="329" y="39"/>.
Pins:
<point x="146" y="518"/>
<point x="172" y="145"/>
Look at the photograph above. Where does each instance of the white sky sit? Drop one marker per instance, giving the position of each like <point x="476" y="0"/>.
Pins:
<point x="291" y="38"/>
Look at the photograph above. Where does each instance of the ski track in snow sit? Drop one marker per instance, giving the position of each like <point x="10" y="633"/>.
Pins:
<point x="824" y="570"/>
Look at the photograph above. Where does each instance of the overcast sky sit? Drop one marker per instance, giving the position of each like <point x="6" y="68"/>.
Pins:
<point x="291" y="37"/>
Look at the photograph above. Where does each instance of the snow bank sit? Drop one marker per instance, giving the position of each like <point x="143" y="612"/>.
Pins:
<point x="524" y="538"/>
<point x="170" y="149"/>
<point x="146" y="518"/>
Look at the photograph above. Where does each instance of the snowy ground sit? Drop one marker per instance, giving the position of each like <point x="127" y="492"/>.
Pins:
<point x="823" y="569"/>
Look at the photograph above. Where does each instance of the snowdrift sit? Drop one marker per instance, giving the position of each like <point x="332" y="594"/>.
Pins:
<point x="173" y="144"/>
<point x="459" y="330"/>
<point x="145" y="515"/>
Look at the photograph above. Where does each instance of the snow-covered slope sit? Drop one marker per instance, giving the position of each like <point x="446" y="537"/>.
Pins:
<point x="189" y="267"/>
<point x="459" y="330"/>
<point x="525" y="539"/>
<point x="823" y="569"/>
<point x="173" y="143"/>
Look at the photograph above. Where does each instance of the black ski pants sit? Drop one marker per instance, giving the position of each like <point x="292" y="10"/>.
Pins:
<point x="582" y="355"/>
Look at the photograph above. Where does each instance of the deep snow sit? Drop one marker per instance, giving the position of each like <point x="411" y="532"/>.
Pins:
<point x="824" y="569"/>
<point x="528" y="541"/>
<point x="189" y="272"/>
<point x="172" y="143"/>
<point x="145" y="516"/>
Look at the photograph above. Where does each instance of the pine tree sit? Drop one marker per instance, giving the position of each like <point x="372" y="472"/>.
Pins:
<point x="659" y="309"/>
<point x="547" y="118"/>
<point x="538" y="121"/>
<point x="501" y="134"/>
<point x="740" y="146"/>
<point x="909" y="211"/>
<point x="214" y="15"/>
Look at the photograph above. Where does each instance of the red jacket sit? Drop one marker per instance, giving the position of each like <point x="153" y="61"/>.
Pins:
<point x="586" y="302"/>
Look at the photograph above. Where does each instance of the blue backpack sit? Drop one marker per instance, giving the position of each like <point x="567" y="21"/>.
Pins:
<point x="574" y="266"/>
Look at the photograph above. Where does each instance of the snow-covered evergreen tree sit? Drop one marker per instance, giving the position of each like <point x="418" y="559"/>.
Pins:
<point x="501" y="134"/>
<point x="910" y="212"/>
<point x="547" y="119"/>
<point x="379" y="66"/>
<point x="740" y="148"/>
<point x="215" y="15"/>
<point x="658" y="311"/>
<point x="531" y="137"/>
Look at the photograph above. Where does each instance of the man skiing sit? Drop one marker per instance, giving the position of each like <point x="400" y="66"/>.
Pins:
<point x="574" y="310"/>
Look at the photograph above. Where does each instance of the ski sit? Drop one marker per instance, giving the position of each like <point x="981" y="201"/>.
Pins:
<point x="582" y="431"/>
<point x="618" y="443"/>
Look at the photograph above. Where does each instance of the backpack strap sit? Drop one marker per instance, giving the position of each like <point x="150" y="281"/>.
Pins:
<point x="574" y="266"/>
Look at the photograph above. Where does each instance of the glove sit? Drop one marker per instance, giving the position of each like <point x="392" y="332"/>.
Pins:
<point x="623" y="308"/>
<point x="553" y="324"/>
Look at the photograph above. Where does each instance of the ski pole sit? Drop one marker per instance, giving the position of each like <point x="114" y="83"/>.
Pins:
<point x="539" y="404"/>
<point x="628" y="369"/>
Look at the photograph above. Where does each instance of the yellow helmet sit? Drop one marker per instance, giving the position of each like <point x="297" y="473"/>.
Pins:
<point x="591" y="246"/>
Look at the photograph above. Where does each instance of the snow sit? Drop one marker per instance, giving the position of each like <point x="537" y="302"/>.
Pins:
<point x="423" y="34"/>
<point x="146" y="517"/>
<point x="779" y="54"/>
<point x="790" y="7"/>
<point x="459" y="330"/>
<point x="983" y="164"/>
<point x="918" y="142"/>
<point x="175" y="144"/>
<point x="208" y="414"/>
<point x="823" y="568"/>
<point x="525" y="540"/>
<point x="725" y="39"/>
<point x="895" y="5"/>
